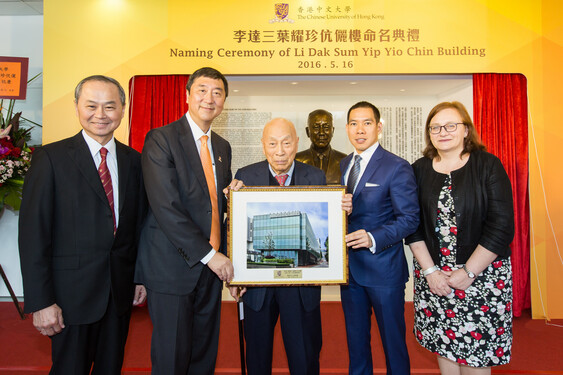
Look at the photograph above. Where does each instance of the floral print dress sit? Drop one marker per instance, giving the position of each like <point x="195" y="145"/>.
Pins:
<point x="473" y="326"/>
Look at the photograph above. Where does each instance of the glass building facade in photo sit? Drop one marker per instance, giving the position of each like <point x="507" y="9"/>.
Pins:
<point x="284" y="235"/>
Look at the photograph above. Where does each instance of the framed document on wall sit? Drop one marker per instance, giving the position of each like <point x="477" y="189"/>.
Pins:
<point x="287" y="235"/>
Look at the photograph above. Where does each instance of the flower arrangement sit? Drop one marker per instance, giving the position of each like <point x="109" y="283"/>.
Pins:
<point x="15" y="154"/>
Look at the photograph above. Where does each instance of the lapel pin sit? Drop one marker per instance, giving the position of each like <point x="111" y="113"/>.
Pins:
<point x="220" y="159"/>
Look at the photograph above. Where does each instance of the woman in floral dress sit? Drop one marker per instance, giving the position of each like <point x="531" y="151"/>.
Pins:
<point x="462" y="272"/>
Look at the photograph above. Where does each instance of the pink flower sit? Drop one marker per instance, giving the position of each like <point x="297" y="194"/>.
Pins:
<point x="446" y="268"/>
<point x="484" y="308"/>
<point x="417" y="273"/>
<point x="508" y="306"/>
<point x="450" y="334"/>
<point x="497" y="264"/>
<point x="460" y="293"/>
<point x="445" y="251"/>
<point x="500" y="284"/>
<point x="428" y="312"/>
<point x="450" y="313"/>
<point x="499" y="352"/>
<point x="500" y="330"/>
<point x="453" y="230"/>
<point x="476" y="335"/>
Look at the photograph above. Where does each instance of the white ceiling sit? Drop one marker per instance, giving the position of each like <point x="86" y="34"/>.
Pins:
<point x="21" y="7"/>
<point x="368" y="85"/>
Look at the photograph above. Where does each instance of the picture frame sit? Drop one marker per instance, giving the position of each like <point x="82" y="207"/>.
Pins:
<point x="288" y="236"/>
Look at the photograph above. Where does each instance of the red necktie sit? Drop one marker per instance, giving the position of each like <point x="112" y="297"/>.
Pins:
<point x="281" y="179"/>
<point x="205" y="155"/>
<point x="103" y="171"/>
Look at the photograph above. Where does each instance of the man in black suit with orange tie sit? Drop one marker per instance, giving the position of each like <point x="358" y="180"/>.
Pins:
<point x="181" y="263"/>
<point x="82" y="208"/>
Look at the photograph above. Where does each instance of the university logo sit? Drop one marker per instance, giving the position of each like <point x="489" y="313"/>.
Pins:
<point x="282" y="11"/>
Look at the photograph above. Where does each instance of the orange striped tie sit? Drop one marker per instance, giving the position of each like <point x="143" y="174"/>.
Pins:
<point x="215" y="238"/>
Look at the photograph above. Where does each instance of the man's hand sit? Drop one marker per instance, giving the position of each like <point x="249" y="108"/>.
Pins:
<point x="49" y="321"/>
<point x="222" y="267"/>
<point x="358" y="239"/>
<point x="140" y="295"/>
<point x="236" y="291"/>
<point x="235" y="185"/>
<point x="347" y="203"/>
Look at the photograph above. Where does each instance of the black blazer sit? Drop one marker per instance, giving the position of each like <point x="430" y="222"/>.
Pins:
<point x="175" y="236"/>
<point x="258" y="174"/>
<point x="68" y="253"/>
<point x="483" y="205"/>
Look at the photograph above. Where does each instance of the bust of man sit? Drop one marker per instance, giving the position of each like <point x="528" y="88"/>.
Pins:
<point x="320" y="130"/>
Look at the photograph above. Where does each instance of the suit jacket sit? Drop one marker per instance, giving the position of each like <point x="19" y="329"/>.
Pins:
<point x="69" y="255"/>
<point x="385" y="204"/>
<point x="175" y="235"/>
<point x="332" y="164"/>
<point x="257" y="174"/>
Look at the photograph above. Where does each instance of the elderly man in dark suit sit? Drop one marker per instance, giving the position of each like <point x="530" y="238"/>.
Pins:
<point x="83" y="203"/>
<point x="186" y="167"/>
<point x="385" y="211"/>
<point x="297" y="307"/>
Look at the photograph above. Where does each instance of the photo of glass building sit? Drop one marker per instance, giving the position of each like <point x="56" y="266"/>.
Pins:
<point x="282" y="239"/>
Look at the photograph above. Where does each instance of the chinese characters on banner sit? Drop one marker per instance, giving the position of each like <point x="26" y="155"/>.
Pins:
<point x="13" y="77"/>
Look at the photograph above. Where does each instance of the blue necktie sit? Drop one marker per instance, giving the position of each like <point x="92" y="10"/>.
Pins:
<point x="354" y="174"/>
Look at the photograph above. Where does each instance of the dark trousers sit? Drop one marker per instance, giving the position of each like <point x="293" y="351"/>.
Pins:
<point x="301" y="331"/>
<point x="388" y="303"/>
<point x="185" y="336"/>
<point x="98" y="346"/>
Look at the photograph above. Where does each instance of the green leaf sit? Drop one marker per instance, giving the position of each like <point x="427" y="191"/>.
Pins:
<point x="11" y="192"/>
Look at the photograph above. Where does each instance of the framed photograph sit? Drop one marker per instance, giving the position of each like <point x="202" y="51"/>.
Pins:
<point x="288" y="236"/>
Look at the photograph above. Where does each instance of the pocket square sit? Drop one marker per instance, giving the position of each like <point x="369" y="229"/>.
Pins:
<point x="369" y="184"/>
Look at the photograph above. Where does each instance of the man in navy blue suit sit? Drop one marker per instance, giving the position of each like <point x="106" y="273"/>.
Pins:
<point x="385" y="210"/>
<point x="297" y="307"/>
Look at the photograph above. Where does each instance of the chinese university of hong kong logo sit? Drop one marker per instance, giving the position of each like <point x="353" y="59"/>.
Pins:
<point x="281" y="11"/>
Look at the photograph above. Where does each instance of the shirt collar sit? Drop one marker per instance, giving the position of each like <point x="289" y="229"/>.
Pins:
<point x="289" y="173"/>
<point x="367" y="154"/>
<point x="95" y="147"/>
<point x="196" y="130"/>
<point x="325" y="154"/>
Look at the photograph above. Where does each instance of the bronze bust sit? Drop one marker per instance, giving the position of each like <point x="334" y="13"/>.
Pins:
<point x="320" y="130"/>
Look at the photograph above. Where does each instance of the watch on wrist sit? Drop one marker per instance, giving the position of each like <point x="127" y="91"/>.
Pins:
<point x="470" y="274"/>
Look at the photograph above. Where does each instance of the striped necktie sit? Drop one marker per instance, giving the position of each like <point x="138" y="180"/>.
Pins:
<point x="103" y="171"/>
<point x="354" y="174"/>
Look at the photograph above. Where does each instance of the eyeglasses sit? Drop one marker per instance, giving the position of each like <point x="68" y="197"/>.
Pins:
<point x="449" y="127"/>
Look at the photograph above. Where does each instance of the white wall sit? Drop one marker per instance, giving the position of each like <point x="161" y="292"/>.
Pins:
<point x="22" y="36"/>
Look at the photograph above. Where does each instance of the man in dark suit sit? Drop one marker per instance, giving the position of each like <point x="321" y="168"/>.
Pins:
<point x="186" y="167"/>
<point x="297" y="307"/>
<point x="385" y="210"/>
<point x="82" y="207"/>
<point x="320" y="130"/>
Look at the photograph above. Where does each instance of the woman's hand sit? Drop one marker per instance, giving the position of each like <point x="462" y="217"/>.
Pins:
<point x="438" y="283"/>
<point x="459" y="280"/>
